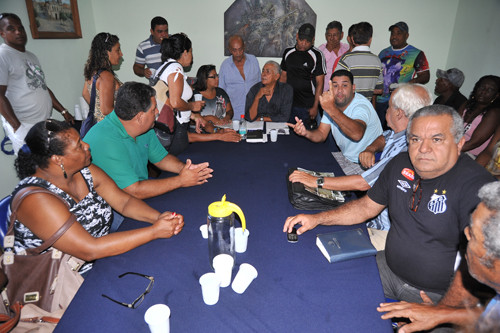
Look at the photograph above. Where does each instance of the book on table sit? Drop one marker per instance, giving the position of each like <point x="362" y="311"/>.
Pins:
<point x="344" y="245"/>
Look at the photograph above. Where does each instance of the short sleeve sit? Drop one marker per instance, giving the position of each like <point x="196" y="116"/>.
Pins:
<point x="421" y="63"/>
<point x="156" y="151"/>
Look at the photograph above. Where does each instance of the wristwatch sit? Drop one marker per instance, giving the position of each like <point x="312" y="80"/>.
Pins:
<point x="261" y="118"/>
<point x="320" y="181"/>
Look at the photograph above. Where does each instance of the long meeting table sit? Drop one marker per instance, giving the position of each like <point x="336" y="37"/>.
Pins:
<point x="296" y="290"/>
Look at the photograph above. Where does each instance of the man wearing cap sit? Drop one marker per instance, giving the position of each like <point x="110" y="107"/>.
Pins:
<point x="148" y="55"/>
<point x="448" y="85"/>
<point x="304" y="68"/>
<point x="401" y="63"/>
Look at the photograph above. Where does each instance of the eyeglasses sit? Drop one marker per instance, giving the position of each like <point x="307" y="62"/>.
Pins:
<point x="416" y="187"/>
<point x="214" y="76"/>
<point x="138" y="301"/>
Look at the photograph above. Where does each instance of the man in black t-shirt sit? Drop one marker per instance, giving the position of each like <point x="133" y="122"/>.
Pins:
<point x="430" y="192"/>
<point x="304" y="68"/>
<point x="448" y="85"/>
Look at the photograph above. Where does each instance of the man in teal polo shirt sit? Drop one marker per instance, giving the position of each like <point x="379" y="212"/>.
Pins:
<point x="123" y="143"/>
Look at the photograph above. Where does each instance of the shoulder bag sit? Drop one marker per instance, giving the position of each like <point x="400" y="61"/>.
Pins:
<point x="90" y="120"/>
<point x="43" y="277"/>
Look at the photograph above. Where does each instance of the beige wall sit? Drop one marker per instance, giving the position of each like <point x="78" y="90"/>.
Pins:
<point x="449" y="31"/>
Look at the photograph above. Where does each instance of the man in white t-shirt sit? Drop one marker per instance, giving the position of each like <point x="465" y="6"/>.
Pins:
<point x="25" y="98"/>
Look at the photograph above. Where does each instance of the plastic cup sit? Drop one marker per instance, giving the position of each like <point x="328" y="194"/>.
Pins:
<point x="241" y="240"/>
<point x="158" y="318"/>
<point x="236" y="125"/>
<point x="198" y="97"/>
<point x="204" y="231"/>
<point x="223" y="266"/>
<point x="245" y="276"/>
<point x="274" y="135"/>
<point x="210" y="288"/>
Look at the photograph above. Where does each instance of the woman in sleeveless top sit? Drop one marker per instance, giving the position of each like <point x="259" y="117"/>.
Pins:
<point x="104" y="53"/>
<point x="55" y="158"/>
<point x="481" y="114"/>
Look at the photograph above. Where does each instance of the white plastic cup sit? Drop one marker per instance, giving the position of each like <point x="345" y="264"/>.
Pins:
<point x="223" y="266"/>
<point x="78" y="112"/>
<point x="198" y="97"/>
<point x="204" y="231"/>
<point x="158" y="318"/>
<point x="153" y="71"/>
<point x="245" y="276"/>
<point x="241" y="239"/>
<point x="274" y="135"/>
<point x="210" y="288"/>
<point x="236" y="125"/>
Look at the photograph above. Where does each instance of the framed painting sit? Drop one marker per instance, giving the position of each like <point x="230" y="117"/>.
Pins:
<point x="54" y="19"/>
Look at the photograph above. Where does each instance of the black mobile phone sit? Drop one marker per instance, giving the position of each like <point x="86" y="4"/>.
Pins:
<point x="292" y="236"/>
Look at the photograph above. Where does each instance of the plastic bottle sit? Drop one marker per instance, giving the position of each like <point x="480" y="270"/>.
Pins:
<point x="243" y="127"/>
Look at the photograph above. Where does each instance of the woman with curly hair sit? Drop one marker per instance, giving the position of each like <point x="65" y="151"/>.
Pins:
<point x="481" y="114"/>
<point x="104" y="53"/>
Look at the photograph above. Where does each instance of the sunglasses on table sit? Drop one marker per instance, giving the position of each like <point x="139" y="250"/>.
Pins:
<point x="138" y="301"/>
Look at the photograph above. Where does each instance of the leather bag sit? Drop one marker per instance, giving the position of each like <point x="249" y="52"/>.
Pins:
<point x="44" y="277"/>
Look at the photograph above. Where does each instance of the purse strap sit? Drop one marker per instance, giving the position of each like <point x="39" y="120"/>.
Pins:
<point x="158" y="74"/>
<point x="93" y="91"/>
<point x="16" y="201"/>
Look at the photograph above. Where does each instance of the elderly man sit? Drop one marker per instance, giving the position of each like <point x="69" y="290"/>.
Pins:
<point x="148" y="55"/>
<point x="448" y="85"/>
<point x="430" y="192"/>
<point x="238" y="74"/>
<point x="25" y="98"/>
<point x="402" y="63"/>
<point x="348" y="115"/>
<point x="269" y="100"/>
<point x="124" y="141"/>
<point x="303" y="67"/>
<point x="404" y="102"/>
<point x="483" y="261"/>
<point x="332" y="49"/>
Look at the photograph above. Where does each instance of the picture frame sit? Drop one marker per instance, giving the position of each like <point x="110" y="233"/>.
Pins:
<point x="51" y="19"/>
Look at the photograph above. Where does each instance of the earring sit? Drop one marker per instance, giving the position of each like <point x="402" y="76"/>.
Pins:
<point x="64" y="171"/>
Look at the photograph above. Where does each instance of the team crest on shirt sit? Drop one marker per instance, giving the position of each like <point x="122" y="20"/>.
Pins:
<point x="437" y="204"/>
<point x="408" y="174"/>
<point x="403" y="185"/>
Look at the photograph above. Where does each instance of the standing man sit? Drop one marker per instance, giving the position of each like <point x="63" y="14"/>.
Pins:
<point x="332" y="49"/>
<point x="238" y="74"/>
<point x="448" y="85"/>
<point x="430" y="192"/>
<point x="25" y="98"/>
<point x="349" y="116"/>
<point x="364" y="65"/>
<point x="148" y="55"/>
<point x="401" y="63"/>
<point x="303" y="67"/>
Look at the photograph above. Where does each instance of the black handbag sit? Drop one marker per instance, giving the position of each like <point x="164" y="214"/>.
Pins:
<point x="305" y="198"/>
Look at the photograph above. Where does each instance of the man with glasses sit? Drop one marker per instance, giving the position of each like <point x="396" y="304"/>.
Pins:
<point x="25" y="98"/>
<point x="430" y="192"/>
<point x="238" y="74"/>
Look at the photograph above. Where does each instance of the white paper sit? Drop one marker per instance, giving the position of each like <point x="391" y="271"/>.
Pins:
<point x="255" y="125"/>
<point x="282" y="128"/>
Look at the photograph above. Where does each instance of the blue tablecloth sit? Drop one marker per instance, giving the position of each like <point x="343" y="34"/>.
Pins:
<point x="297" y="290"/>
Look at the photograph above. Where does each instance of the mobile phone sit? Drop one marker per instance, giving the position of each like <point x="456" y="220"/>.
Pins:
<point x="292" y="236"/>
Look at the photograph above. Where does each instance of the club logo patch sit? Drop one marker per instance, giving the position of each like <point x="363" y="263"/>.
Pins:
<point x="408" y="174"/>
<point x="437" y="204"/>
<point x="403" y="185"/>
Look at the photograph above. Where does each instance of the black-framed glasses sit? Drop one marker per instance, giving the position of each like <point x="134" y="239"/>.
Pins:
<point x="138" y="301"/>
<point x="416" y="187"/>
<point x="213" y="76"/>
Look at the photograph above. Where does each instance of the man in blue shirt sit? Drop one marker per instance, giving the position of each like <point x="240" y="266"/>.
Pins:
<point x="148" y="55"/>
<point x="238" y="74"/>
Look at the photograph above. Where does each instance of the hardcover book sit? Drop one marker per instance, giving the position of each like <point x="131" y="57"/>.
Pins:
<point x="344" y="245"/>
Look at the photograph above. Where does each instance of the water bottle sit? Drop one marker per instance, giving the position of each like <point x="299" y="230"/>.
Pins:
<point x="243" y="127"/>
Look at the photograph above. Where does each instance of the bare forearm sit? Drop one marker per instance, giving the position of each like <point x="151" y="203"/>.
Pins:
<point x="139" y="210"/>
<point x="139" y="69"/>
<point x="153" y="187"/>
<point x="254" y="108"/>
<point x="353" y="212"/>
<point x="377" y="145"/>
<point x="8" y="113"/>
<point x="346" y="183"/>
<point x="55" y="103"/>
<point x="422" y="78"/>
<point x="458" y="295"/>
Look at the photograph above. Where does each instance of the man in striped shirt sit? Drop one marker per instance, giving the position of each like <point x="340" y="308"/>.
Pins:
<point x="364" y="65"/>
<point x="148" y="55"/>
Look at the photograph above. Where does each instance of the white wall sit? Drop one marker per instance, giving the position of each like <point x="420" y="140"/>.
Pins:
<point x="449" y="31"/>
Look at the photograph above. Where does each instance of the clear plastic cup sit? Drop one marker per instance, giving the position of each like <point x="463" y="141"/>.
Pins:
<point x="274" y="135"/>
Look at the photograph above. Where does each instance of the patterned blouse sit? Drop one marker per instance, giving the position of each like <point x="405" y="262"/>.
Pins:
<point x="92" y="212"/>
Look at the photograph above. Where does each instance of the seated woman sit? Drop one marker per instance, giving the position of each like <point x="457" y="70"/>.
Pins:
<point x="104" y="53"/>
<point x="269" y="100"/>
<point x="56" y="159"/>
<point x="217" y="109"/>
<point x="481" y="114"/>
<point x="490" y="156"/>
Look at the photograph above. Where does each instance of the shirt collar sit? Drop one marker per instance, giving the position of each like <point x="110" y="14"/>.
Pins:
<point x="361" y="48"/>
